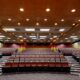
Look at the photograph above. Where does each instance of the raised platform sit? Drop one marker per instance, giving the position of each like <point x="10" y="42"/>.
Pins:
<point x="34" y="62"/>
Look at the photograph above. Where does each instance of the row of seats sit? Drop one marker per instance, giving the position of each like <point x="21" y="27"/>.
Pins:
<point x="7" y="51"/>
<point x="37" y="64"/>
<point x="39" y="56"/>
<point x="35" y="59"/>
<point x="72" y="51"/>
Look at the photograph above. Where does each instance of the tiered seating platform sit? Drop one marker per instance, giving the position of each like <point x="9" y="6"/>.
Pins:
<point x="36" y="62"/>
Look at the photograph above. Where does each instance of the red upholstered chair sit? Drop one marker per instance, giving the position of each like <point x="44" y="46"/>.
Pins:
<point x="45" y="65"/>
<point x="28" y="64"/>
<point x="21" y="65"/>
<point x="8" y="65"/>
<point x="15" y="64"/>
<point x="33" y="65"/>
<point x="58" y="64"/>
<point x="65" y="65"/>
<point x="51" y="64"/>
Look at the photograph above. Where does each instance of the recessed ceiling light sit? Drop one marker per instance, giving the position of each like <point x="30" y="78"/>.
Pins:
<point x="73" y="10"/>
<point x="19" y="23"/>
<point x="9" y="19"/>
<point x="45" y="19"/>
<point x="62" y="20"/>
<point x="79" y="20"/>
<point x="73" y="24"/>
<point x="47" y="9"/>
<point x="61" y="30"/>
<point x="21" y="40"/>
<point x="29" y="29"/>
<point x="8" y="38"/>
<point x="45" y="30"/>
<point x="24" y="38"/>
<point x="27" y="19"/>
<point x="51" y="38"/>
<point x="55" y="24"/>
<point x="9" y="29"/>
<point x="21" y="9"/>
<point x="37" y="24"/>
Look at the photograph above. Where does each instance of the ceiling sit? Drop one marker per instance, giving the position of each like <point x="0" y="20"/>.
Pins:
<point x="35" y="16"/>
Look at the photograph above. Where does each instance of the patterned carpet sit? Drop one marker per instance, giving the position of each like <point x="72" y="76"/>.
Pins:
<point x="39" y="76"/>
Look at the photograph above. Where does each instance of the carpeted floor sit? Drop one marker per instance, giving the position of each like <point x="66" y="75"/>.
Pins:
<point x="39" y="76"/>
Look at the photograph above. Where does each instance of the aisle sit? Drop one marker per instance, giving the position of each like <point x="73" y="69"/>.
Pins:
<point x="39" y="76"/>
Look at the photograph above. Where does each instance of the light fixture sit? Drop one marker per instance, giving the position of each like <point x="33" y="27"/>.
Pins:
<point x="19" y="23"/>
<point x="27" y="19"/>
<point x="79" y="20"/>
<point x="43" y="36"/>
<point x="54" y="36"/>
<point x="61" y="30"/>
<point x="9" y="29"/>
<point x="45" y="30"/>
<point x="21" y="40"/>
<point x="8" y="38"/>
<point x="9" y="19"/>
<point x="62" y="20"/>
<point x="29" y="29"/>
<point x="32" y="36"/>
<point x="24" y="38"/>
<point x="21" y="9"/>
<point x="47" y="9"/>
<point x="2" y="36"/>
<point x="20" y="36"/>
<point x="51" y="38"/>
<point x="45" y="19"/>
<point x="66" y="38"/>
<point x="73" y="24"/>
<point x="37" y="24"/>
<point x="73" y="10"/>
<point x="55" y="24"/>
<point x="73" y="36"/>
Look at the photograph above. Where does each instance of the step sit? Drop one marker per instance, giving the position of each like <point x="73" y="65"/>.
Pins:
<point x="75" y="73"/>
<point x="75" y="68"/>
